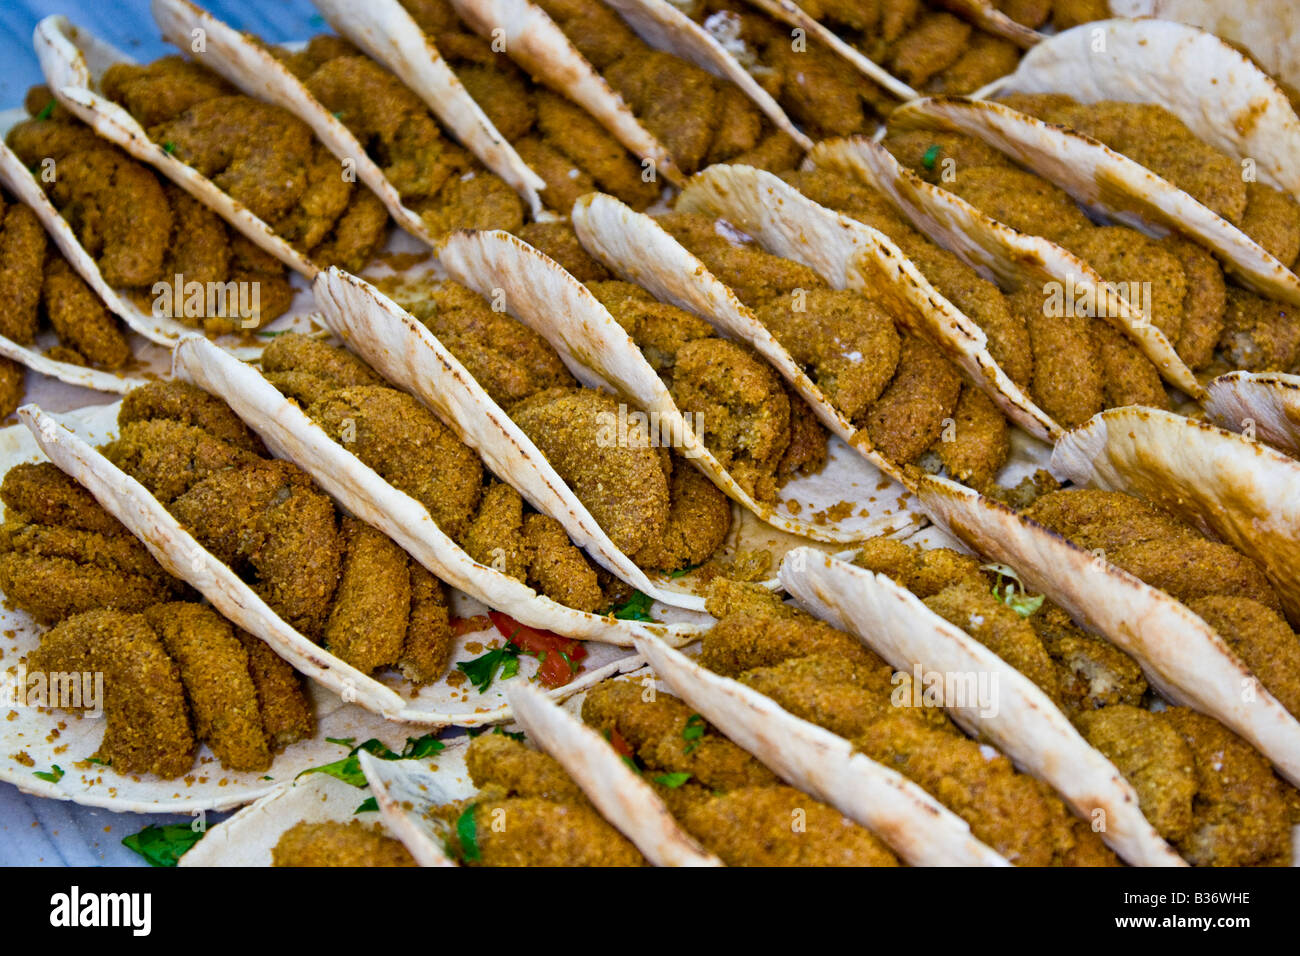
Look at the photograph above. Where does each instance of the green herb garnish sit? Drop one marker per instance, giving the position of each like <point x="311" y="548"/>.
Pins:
<point x="163" y="846"/>
<point x="169" y="147"/>
<point x="47" y="112"/>
<point x="930" y="156"/>
<point x="682" y="572"/>
<point x="369" y="805"/>
<point x="482" y="670"/>
<point x="101" y="763"/>
<point x="635" y="608"/>
<point x="672" y="780"/>
<point x="1012" y="592"/>
<point x="348" y="769"/>
<point x="53" y="776"/>
<point x="467" y="835"/>
<point x="693" y="732"/>
<point x="417" y="748"/>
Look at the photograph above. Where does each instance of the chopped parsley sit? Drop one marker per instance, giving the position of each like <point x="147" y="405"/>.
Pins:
<point x="1012" y="591"/>
<point x="467" y="835"/>
<point x="98" y="762"/>
<point x="348" y="769"/>
<point x="693" y="732"/>
<point x="369" y="805"/>
<point x="53" y="776"/>
<point x="47" y="112"/>
<point x="163" y="846"/>
<point x="930" y="156"/>
<point x="482" y="670"/>
<point x="672" y="780"/>
<point x="682" y="572"/>
<point x="169" y="147"/>
<point x="635" y="608"/>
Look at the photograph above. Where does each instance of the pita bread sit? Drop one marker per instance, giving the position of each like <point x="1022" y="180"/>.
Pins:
<point x="1012" y="258"/>
<point x="1237" y="490"/>
<point x="1182" y="657"/>
<point x="1018" y="718"/>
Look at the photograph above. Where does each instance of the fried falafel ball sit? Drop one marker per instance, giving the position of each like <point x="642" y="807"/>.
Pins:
<point x="116" y="206"/>
<point x="155" y="92"/>
<point x="739" y="408"/>
<point x="534" y="549"/>
<point x="607" y="458"/>
<point x="40" y="493"/>
<point x="429" y="642"/>
<point x="560" y="242"/>
<point x="395" y="434"/>
<point x="218" y="686"/>
<point x="1239" y="801"/>
<point x="510" y="360"/>
<point x="699" y="520"/>
<point x="268" y="520"/>
<point x="547" y="822"/>
<point x="307" y="369"/>
<point x="61" y="553"/>
<point x="1090" y="672"/>
<point x="169" y="458"/>
<point x="755" y="276"/>
<point x="22" y="271"/>
<point x="1021" y="200"/>
<point x="1153" y="756"/>
<point x="848" y="343"/>
<point x="178" y="401"/>
<point x="751" y="826"/>
<point x="909" y="415"/>
<point x="1130" y="378"/>
<point x="1131" y="260"/>
<point x="13" y="386"/>
<point x="1261" y="637"/>
<point x="80" y="320"/>
<point x="741" y="642"/>
<point x="1068" y="380"/>
<point x="519" y="769"/>
<point x="282" y="696"/>
<point x="655" y="729"/>
<point x="372" y="603"/>
<point x="979" y="444"/>
<point x="338" y="844"/>
<point x="54" y="572"/>
<point x="433" y="175"/>
<point x="1016" y="815"/>
<point x="1153" y="545"/>
<point x="972" y="606"/>
<point x="844" y="697"/>
<point x="1259" y="335"/>
<point x="923" y="571"/>
<point x="1204" y="307"/>
<point x="1272" y="218"/>
<point x="147" y="720"/>
<point x="572" y="131"/>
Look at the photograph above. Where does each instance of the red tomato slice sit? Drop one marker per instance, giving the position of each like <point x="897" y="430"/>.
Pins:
<point x="560" y="656"/>
<point x="620" y="744"/>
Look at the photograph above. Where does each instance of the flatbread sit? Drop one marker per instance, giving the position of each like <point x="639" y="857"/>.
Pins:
<point x="1017" y="717"/>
